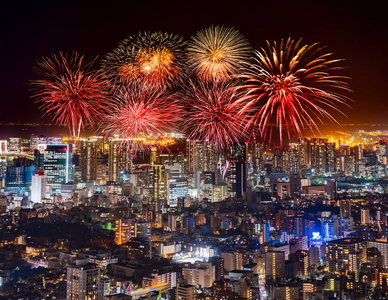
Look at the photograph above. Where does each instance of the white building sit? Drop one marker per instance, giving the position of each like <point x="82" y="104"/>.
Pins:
<point x="38" y="187"/>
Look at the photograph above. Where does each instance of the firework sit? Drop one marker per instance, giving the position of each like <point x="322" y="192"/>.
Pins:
<point x="292" y="85"/>
<point x="217" y="52"/>
<point x="69" y="92"/>
<point x="134" y="114"/>
<point x="153" y="59"/>
<point x="209" y="114"/>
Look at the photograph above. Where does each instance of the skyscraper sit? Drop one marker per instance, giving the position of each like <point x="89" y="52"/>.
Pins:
<point x="57" y="166"/>
<point x="119" y="159"/>
<point x="158" y="185"/>
<point x="237" y="173"/>
<point x="88" y="160"/>
<point x="178" y="188"/>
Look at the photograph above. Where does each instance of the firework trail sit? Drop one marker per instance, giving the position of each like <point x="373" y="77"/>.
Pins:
<point x="134" y="114"/>
<point x="209" y="114"/>
<point x="217" y="52"/>
<point x="69" y="92"/>
<point x="292" y="85"/>
<point x="154" y="60"/>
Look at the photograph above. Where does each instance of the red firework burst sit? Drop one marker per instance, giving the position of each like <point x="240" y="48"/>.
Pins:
<point x="209" y="114"/>
<point x="69" y="92"/>
<point x="135" y="114"/>
<point x="292" y="86"/>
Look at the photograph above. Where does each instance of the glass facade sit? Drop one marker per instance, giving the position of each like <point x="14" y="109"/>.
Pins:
<point x="57" y="165"/>
<point x="18" y="179"/>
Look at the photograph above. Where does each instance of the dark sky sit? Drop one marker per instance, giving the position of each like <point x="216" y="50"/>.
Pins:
<point x="354" y="30"/>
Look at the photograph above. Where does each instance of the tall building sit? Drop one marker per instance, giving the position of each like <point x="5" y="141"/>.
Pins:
<point x="317" y="155"/>
<point x="275" y="264"/>
<point x="3" y="146"/>
<point x="57" y="165"/>
<point x="382" y="152"/>
<point x="83" y="282"/>
<point x="200" y="156"/>
<point x="257" y="157"/>
<point x="154" y="155"/>
<point x="218" y="263"/>
<point x="158" y="185"/>
<point x="206" y="157"/>
<point x="102" y="169"/>
<point x="18" y="177"/>
<point x="119" y="160"/>
<point x="237" y="173"/>
<point x="173" y="163"/>
<point x="364" y="215"/>
<point x="277" y="160"/>
<point x="38" y="187"/>
<point x="345" y="208"/>
<point x="178" y="188"/>
<point x="88" y="159"/>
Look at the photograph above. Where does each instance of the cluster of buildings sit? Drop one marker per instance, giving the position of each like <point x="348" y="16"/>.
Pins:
<point x="94" y="220"/>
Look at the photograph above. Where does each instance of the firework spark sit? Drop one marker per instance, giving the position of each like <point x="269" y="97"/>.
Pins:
<point x="292" y="85"/>
<point x="153" y="59"/>
<point x="209" y="114"/>
<point x="217" y="52"/>
<point x="69" y="92"/>
<point x="134" y="114"/>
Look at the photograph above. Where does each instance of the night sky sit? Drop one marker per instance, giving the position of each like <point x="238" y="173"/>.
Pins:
<point x="353" y="30"/>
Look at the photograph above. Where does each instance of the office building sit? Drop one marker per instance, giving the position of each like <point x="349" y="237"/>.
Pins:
<point x="364" y="215"/>
<point x="57" y="166"/>
<point x="158" y="185"/>
<point x="18" y="178"/>
<point x="178" y="188"/>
